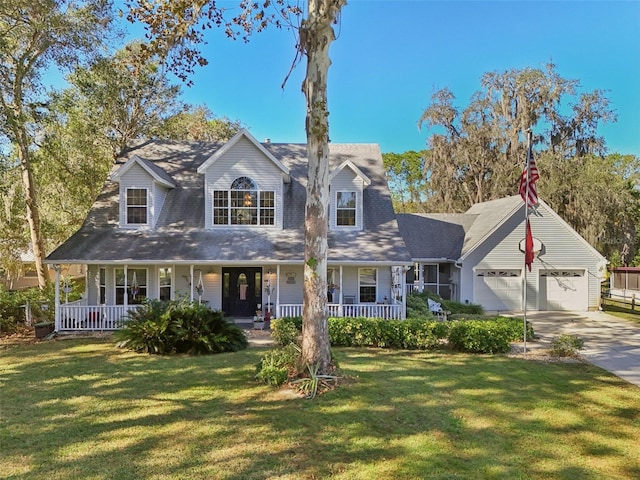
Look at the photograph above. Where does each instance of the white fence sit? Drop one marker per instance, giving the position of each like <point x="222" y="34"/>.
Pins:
<point x="75" y="316"/>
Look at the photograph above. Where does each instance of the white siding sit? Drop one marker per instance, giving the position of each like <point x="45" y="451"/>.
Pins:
<point x="243" y="159"/>
<point x="346" y="181"/>
<point x="562" y="249"/>
<point x="159" y="196"/>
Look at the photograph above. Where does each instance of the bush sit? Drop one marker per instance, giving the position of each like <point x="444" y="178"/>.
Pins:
<point x="486" y="336"/>
<point x="417" y="305"/>
<point x="566" y="346"/>
<point x="286" y="330"/>
<point x="179" y="327"/>
<point x="278" y="365"/>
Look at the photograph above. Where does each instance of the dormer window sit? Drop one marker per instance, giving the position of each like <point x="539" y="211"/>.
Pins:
<point x="243" y="204"/>
<point x="346" y="209"/>
<point x="136" y="206"/>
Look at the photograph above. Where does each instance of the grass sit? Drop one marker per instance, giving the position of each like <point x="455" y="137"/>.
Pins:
<point x="624" y="313"/>
<point x="85" y="409"/>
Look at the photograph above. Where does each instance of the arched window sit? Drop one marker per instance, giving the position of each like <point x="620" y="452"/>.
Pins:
<point x="243" y="204"/>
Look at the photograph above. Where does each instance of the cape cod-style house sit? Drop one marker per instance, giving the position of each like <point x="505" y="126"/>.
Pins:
<point x="477" y="257"/>
<point x="223" y="223"/>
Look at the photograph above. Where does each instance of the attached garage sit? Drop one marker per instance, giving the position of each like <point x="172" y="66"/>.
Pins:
<point x="564" y="290"/>
<point x="498" y="289"/>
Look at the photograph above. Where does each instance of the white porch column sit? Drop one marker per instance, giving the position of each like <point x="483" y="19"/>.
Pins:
<point x="403" y="314"/>
<point x="125" y="300"/>
<point x="191" y="282"/>
<point x="341" y="313"/>
<point x="278" y="291"/>
<point x="56" y="308"/>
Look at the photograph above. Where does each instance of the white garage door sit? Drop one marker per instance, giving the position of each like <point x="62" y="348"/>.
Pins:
<point x="498" y="289"/>
<point x="564" y="290"/>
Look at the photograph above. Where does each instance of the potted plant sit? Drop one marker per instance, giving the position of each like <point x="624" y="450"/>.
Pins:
<point x="258" y="319"/>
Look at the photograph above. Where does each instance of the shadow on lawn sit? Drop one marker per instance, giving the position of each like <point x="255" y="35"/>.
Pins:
<point x="86" y="408"/>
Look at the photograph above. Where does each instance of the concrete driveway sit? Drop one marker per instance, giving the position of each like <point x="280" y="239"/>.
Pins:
<point x="609" y="342"/>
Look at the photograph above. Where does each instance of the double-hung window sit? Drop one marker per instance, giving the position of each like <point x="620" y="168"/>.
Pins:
<point x="164" y="282"/>
<point x="346" y="209"/>
<point x="136" y="206"/>
<point x="243" y="204"/>
<point x="368" y="285"/>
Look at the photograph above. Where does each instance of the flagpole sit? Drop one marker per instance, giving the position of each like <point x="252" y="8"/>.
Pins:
<point x="526" y="225"/>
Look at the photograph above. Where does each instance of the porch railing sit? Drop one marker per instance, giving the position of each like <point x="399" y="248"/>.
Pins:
<point x="80" y="317"/>
<point x="77" y="316"/>
<point x="391" y="312"/>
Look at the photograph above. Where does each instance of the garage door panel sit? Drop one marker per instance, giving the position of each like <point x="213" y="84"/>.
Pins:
<point x="498" y="289"/>
<point x="563" y="290"/>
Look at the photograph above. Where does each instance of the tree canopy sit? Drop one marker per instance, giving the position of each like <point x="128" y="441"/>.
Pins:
<point x="477" y="153"/>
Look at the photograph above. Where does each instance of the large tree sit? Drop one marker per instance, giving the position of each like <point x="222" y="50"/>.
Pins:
<point x="107" y="105"/>
<point x="406" y="180"/>
<point x="36" y="35"/>
<point x="476" y="154"/>
<point x="175" y="30"/>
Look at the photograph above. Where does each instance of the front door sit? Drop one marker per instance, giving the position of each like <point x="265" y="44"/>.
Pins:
<point x="241" y="291"/>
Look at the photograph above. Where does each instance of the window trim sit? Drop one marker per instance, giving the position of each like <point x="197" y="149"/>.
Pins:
<point x="344" y="209"/>
<point x="257" y="211"/>
<point x="375" y="285"/>
<point x="161" y="286"/>
<point x="146" y="207"/>
<point x="127" y="285"/>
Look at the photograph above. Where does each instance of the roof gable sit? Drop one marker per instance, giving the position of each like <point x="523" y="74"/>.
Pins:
<point x="233" y="141"/>
<point x="157" y="173"/>
<point x="349" y="164"/>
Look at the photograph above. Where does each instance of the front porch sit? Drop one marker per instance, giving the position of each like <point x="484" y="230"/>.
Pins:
<point x="78" y="316"/>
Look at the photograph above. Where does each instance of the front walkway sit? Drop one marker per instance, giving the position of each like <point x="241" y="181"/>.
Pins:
<point x="610" y="342"/>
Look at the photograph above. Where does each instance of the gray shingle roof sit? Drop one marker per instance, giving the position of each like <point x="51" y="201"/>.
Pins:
<point x="435" y="236"/>
<point x="180" y="235"/>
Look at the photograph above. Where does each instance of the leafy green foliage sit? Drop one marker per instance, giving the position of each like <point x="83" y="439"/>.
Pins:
<point x="315" y="382"/>
<point x="486" y="336"/>
<point x="179" y="327"/>
<point x="278" y="364"/>
<point x="417" y="305"/>
<point x="286" y="330"/>
<point x="42" y="302"/>
<point x="421" y="334"/>
<point x="566" y="346"/>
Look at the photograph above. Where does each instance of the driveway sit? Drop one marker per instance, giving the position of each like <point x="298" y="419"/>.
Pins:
<point x="609" y="342"/>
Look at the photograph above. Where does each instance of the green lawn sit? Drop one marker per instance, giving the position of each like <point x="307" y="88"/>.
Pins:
<point x="83" y="409"/>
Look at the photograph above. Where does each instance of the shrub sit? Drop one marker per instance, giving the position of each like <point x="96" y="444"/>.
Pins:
<point x="486" y="336"/>
<point x="408" y="334"/>
<point x="286" y="330"/>
<point x="179" y="327"/>
<point x="566" y="346"/>
<point x="278" y="365"/>
<point x="417" y="305"/>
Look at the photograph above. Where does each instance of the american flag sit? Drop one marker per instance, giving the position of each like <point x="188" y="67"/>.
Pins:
<point x="528" y="179"/>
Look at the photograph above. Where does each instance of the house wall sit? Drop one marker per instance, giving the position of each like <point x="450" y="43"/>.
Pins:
<point x="243" y="159"/>
<point x="562" y="249"/>
<point x="289" y="293"/>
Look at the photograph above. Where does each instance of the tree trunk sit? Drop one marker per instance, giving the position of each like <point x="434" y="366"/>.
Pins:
<point x="316" y="35"/>
<point x="32" y="212"/>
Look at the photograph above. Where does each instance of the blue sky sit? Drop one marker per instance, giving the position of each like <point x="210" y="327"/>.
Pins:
<point x="391" y="56"/>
